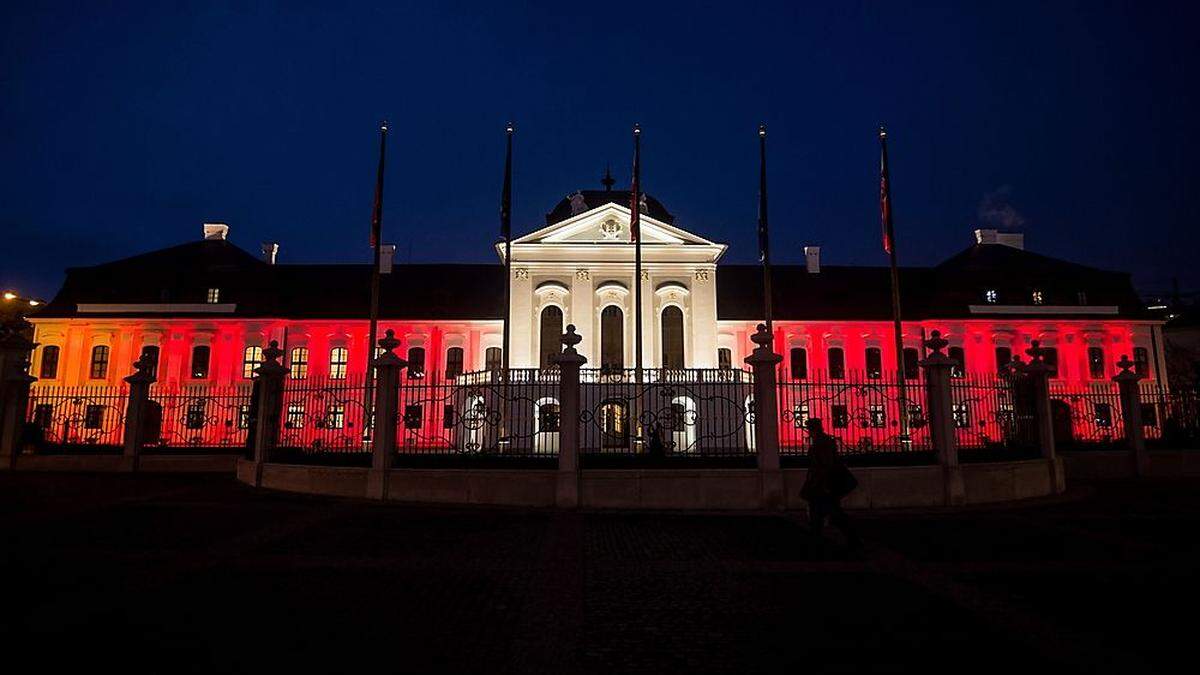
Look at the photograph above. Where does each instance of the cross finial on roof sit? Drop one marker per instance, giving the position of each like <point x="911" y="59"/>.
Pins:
<point x="607" y="181"/>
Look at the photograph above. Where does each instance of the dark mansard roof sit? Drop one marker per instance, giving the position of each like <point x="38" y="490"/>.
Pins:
<point x="182" y="274"/>
<point x="595" y="198"/>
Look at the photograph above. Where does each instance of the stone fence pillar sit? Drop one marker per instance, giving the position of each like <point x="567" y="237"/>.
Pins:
<point x="15" y="347"/>
<point x="940" y="403"/>
<point x="1038" y="373"/>
<point x="137" y="411"/>
<point x="270" y="403"/>
<point x="763" y="360"/>
<point x="569" y="363"/>
<point x="387" y="410"/>
<point x="1131" y="414"/>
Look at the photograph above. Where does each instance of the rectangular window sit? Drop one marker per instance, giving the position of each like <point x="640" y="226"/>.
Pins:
<point x="195" y="415"/>
<point x="1082" y="297"/>
<point x="912" y="368"/>
<point x="93" y="416"/>
<point x="840" y="415"/>
<point x="214" y="296"/>
<point x="49" y="369"/>
<point x="1141" y="361"/>
<point x="1051" y="358"/>
<point x="99" y="364"/>
<point x="1149" y="415"/>
<point x="837" y="363"/>
<point x="295" y="416"/>
<point x="877" y="416"/>
<point x="150" y="354"/>
<point x="448" y="416"/>
<point x="243" y="420"/>
<point x="416" y="363"/>
<point x="961" y="413"/>
<point x="1104" y="417"/>
<point x="335" y="416"/>
<point x="338" y="357"/>
<point x="1003" y="358"/>
<point x="454" y="362"/>
<point x="412" y="416"/>
<point x="493" y="358"/>
<point x="800" y="415"/>
<point x="548" y="417"/>
<point x="725" y="359"/>
<point x="43" y="415"/>
<point x="874" y="359"/>
<point x="1095" y="363"/>
<point x="1038" y="297"/>
<point x="201" y="356"/>
<point x="990" y="296"/>
<point x="251" y="358"/>
<point x="298" y="364"/>
<point x="916" y="416"/>
<point x="799" y="363"/>
<point x="959" y="369"/>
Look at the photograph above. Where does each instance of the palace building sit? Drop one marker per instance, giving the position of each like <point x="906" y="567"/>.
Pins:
<point x="204" y="310"/>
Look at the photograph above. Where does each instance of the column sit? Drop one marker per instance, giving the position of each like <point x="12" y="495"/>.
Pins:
<point x="138" y="415"/>
<point x="387" y="394"/>
<point x="1039" y="386"/>
<point x="937" y="367"/>
<point x="521" y="326"/>
<point x="270" y="402"/>
<point x="704" y="320"/>
<point x="569" y="362"/>
<point x="15" y="348"/>
<point x="766" y="418"/>
<point x="1131" y="414"/>
<point x="583" y="304"/>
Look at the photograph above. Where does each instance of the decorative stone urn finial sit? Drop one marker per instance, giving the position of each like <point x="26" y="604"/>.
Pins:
<point x="570" y="339"/>
<point x="936" y="342"/>
<point x="761" y="337"/>
<point x="389" y="342"/>
<point x="1127" y="373"/>
<point x="1037" y="353"/>
<point x="1125" y="364"/>
<point x="272" y="353"/>
<point x="143" y="371"/>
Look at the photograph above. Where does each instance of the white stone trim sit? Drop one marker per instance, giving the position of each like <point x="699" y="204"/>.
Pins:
<point x="156" y="308"/>
<point x="1043" y="309"/>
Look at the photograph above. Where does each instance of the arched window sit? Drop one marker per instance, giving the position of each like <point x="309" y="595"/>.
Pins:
<point x="49" y="369"/>
<point x="912" y="368"/>
<point x="150" y="353"/>
<point x="1095" y="357"/>
<point x="874" y="363"/>
<point x="338" y="357"/>
<point x="454" y="362"/>
<point x="799" y="363"/>
<point x="99" y="364"/>
<point x="493" y="358"/>
<point x="612" y="338"/>
<point x="725" y="358"/>
<point x="416" y="363"/>
<point x="298" y="363"/>
<point x="201" y="358"/>
<point x="959" y="369"/>
<point x="837" y="363"/>
<point x="550" y="345"/>
<point x="1003" y="358"/>
<point x="672" y="337"/>
<point x="546" y="418"/>
<point x="251" y="358"/>
<point x="614" y="424"/>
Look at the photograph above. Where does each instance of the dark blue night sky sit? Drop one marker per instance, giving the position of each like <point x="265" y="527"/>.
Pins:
<point x="125" y="126"/>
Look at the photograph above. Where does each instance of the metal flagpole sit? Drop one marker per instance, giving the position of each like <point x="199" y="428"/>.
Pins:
<point x="764" y="250"/>
<point x="889" y="245"/>
<point x="506" y="233"/>
<point x="635" y="232"/>
<point x="376" y="245"/>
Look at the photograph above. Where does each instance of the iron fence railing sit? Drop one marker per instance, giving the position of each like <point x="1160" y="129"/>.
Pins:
<point x="993" y="413"/>
<point x="862" y="410"/>
<point x="199" y="417"/>
<point x="324" y="416"/>
<point x="77" y="416"/>
<point x="1086" y="415"/>
<point x="1170" y="419"/>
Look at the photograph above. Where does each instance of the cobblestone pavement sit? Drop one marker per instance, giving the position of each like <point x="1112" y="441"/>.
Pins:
<point x="175" y="574"/>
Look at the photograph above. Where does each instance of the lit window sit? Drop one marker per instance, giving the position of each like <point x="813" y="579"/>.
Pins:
<point x="49" y="369"/>
<point x="99" y="364"/>
<point x="295" y="416"/>
<point x="195" y="416"/>
<point x="214" y="296"/>
<point x="800" y="415"/>
<point x="335" y="416"/>
<point x="416" y="363"/>
<point x="990" y="296"/>
<point x="1038" y="298"/>
<point x="878" y="418"/>
<point x="1095" y="357"/>
<point x="548" y="416"/>
<point x="298" y="363"/>
<point x="725" y="358"/>
<point x="93" y="416"/>
<point x="959" y="369"/>
<point x="251" y="358"/>
<point x="201" y="356"/>
<point x="243" y="419"/>
<point x="337" y="363"/>
<point x="962" y="415"/>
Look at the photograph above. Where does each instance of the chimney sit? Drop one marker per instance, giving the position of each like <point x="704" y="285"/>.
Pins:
<point x="216" y="231"/>
<point x="270" y="249"/>
<point x="386" y="253"/>
<point x="1011" y="239"/>
<point x="812" y="259"/>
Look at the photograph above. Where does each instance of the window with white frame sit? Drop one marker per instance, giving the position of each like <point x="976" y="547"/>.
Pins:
<point x="338" y="358"/>
<point x="298" y="363"/>
<point x="214" y="296"/>
<point x="991" y="296"/>
<point x="252" y="357"/>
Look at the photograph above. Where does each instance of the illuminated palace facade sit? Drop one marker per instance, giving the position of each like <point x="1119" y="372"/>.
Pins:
<point x="205" y="309"/>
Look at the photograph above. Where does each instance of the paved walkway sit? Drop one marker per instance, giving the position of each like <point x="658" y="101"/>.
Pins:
<point x="201" y="574"/>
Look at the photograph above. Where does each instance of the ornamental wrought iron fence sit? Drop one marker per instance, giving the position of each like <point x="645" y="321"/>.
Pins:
<point x="492" y="414"/>
<point x="66" y="418"/>
<point x="860" y="409"/>
<point x="1170" y="419"/>
<point x="670" y="414"/>
<point x="321" y="416"/>
<point x="993" y="412"/>
<point x="199" y="417"/>
<point x="1086" y="416"/>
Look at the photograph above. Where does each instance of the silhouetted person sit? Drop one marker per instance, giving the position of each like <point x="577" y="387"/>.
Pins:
<point x="657" y="448"/>
<point x="827" y="482"/>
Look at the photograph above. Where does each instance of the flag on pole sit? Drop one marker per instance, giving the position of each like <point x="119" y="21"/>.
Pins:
<point x="506" y="193"/>
<point x="377" y="211"/>
<point x="635" y="202"/>
<point x="885" y="194"/>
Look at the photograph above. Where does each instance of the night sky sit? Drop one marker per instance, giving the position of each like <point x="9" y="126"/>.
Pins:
<point x="125" y="126"/>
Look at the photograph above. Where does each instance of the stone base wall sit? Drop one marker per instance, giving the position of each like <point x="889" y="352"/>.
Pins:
<point x="1104" y="465"/>
<point x="120" y="463"/>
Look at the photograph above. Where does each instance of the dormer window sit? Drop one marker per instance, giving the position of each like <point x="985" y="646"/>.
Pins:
<point x="214" y="296"/>
<point x="990" y="296"/>
<point x="1038" y="297"/>
<point x="1082" y="297"/>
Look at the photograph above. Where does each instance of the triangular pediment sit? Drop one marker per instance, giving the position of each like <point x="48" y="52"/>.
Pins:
<point x="609" y="224"/>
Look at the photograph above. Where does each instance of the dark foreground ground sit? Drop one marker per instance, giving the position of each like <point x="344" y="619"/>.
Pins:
<point x="201" y="574"/>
